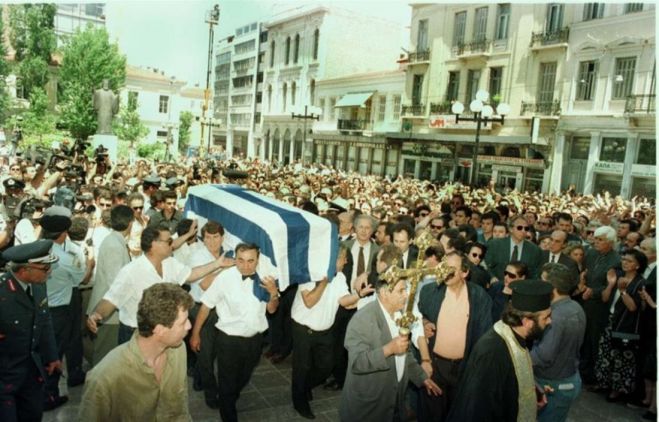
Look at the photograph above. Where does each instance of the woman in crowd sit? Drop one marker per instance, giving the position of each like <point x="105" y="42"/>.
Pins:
<point x="478" y="275"/>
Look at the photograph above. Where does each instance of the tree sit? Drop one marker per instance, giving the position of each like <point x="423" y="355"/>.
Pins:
<point x="33" y="38"/>
<point x="128" y="125"/>
<point x="37" y="121"/>
<point x="185" y="121"/>
<point x="4" y="71"/>
<point x="88" y="59"/>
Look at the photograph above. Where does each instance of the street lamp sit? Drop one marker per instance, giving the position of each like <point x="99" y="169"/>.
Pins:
<point x="304" y="118"/>
<point x="212" y="19"/>
<point x="482" y="114"/>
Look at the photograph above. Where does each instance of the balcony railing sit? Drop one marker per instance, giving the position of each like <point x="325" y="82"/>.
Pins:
<point x="474" y="47"/>
<point x="413" y="110"/>
<point x="548" y="38"/>
<point x="420" y="56"/>
<point x="640" y="104"/>
<point x="344" y="124"/>
<point x="440" y="108"/>
<point x="550" y="108"/>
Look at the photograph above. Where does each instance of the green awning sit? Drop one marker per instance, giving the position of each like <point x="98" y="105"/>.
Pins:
<point x="354" y="100"/>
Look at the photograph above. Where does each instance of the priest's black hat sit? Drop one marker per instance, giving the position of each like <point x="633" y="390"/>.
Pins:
<point x="531" y="295"/>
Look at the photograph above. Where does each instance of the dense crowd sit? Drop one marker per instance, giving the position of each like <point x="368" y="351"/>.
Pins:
<point x="103" y="234"/>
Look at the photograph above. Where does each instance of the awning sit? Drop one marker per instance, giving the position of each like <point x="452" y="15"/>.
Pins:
<point x="354" y="100"/>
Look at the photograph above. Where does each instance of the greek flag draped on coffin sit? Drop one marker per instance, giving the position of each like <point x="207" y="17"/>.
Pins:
<point x="296" y="246"/>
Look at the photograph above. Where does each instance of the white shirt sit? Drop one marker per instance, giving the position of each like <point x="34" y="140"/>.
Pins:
<point x="239" y="312"/>
<point x="355" y="259"/>
<point x="135" y="235"/>
<point x="403" y="264"/>
<point x="126" y="291"/>
<point x="649" y="269"/>
<point x="393" y="330"/>
<point x="24" y="232"/>
<point x="520" y="245"/>
<point x="554" y="257"/>
<point x="320" y="317"/>
<point x="198" y="254"/>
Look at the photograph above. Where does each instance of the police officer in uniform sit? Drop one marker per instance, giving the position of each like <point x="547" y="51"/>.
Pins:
<point x="27" y="342"/>
<point x="13" y="195"/>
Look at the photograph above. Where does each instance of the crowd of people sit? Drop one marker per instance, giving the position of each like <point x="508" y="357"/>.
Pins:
<point x="541" y="294"/>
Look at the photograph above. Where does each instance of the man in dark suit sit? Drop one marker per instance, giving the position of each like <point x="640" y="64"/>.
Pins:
<point x="380" y="360"/>
<point x="363" y="252"/>
<point x="27" y="339"/>
<point x="514" y="248"/>
<point x="403" y="238"/>
<point x="555" y="255"/>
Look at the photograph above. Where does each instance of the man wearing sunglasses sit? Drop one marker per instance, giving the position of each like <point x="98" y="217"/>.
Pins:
<point x="27" y="340"/>
<point x="514" y="248"/>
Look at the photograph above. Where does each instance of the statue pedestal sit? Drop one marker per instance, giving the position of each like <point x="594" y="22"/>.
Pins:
<point x="111" y="142"/>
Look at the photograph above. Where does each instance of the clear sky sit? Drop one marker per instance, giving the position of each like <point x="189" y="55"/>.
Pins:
<point x="173" y="36"/>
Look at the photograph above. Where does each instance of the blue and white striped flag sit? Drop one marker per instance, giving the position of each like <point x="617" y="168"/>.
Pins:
<point x="296" y="246"/>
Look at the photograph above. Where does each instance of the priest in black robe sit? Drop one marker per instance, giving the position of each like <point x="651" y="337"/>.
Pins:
<point x="498" y="383"/>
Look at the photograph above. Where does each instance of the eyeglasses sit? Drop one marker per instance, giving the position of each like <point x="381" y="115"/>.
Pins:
<point x="510" y="275"/>
<point x="15" y="169"/>
<point x="527" y="228"/>
<point x="543" y="223"/>
<point x="105" y="204"/>
<point x="423" y="214"/>
<point x="137" y="208"/>
<point x="168" y="241"/>
<point x="590" y="231"/>
<point x="434" y="226"/>
<point x="477" y="255"/>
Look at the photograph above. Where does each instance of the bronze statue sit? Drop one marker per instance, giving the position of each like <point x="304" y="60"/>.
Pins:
<point x="106" y="104"/>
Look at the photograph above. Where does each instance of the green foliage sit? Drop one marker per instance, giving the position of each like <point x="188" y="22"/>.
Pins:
<point x="37" y="121"/>
<point x="128" y="125"/>
<point x="88" y="59"/>
<point x="33" y="38"/>
<point x="185" y="121"/>
<point x="154" y="150"/>
<point x="4" y="71"/>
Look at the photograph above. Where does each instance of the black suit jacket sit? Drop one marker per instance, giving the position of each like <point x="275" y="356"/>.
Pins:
<point x="412" y="255"/>
<point x="562" y="259"/>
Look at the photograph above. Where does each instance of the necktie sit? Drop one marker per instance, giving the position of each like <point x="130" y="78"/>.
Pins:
<point x="28" y="290"/>
<point x="515" y="256"/>
<point x="553" y="258"/>
<point x="361" y="263"/>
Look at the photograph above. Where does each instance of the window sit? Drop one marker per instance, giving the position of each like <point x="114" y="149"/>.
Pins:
<point x="312" y="92"/>
<point x="269" y="97"/>
<point x="161" y="133"/>
<point x="316" y="39"/>
<point x="242" y="66"/>
<point x="332" y="110"/>
<point x="296" y="52"/>
<point x="163" y="104"/>
<point x="245" y="47"/>
<point x="293" y="92"/>
<point x="94" y="10"/>
<point x="593" y="11"/>
<point x="284" y="93"/>
<point x="453" y="86"/>
<point x="473" y="81"/>
<point x="586" y="80"/>
<point x="272" y="54"/>
<point x="554" y="18"/>
<point x="382" y="107"/>
<point x="546" y="82"/>
<point x="623" y="77"/>
<point x="417" y="86"/>
<point x="263" y="37"/>
<point x="422" y="36"/>
<point x="613" y="150"/>
<point x="459" y="29"/>
<point x="580" y="148"/>
<point x="495" y="81"/>
<point x="321" y="105"/>
<point x="633" y="7"/>
<point x="396" y="111"/>
<point x="647" y="152"/>
<point x="480" y="24"/>
<point x="503" y="17"/>
<point x="288" y="50"/>
<point x="243" y="81"/>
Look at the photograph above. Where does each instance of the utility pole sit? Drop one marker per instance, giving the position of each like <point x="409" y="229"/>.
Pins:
<point x="305" y="117"/>
<point x="212" y="19"/>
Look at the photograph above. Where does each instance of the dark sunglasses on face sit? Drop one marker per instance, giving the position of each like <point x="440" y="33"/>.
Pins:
<point x="477" y="255"/>
<point x="527" y="228"/>
<point x="590" y="231"/>
<point x="138" y="208"/>
<point x="510" y="275"/>
<point x="434" y="226"/>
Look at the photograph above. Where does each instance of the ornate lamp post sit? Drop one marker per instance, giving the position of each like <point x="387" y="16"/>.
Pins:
<point x="482" y="114"/>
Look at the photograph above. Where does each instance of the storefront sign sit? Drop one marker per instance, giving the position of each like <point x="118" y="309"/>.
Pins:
<point x="511" y="169"/>
<point x="607" y="167"/>
<point x="526" y="162"/>
<point x="447" y="121"/>
<point x="641" y="170"/>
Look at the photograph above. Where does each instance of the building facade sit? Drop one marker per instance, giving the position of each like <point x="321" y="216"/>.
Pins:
<point x="73" y="16"/>
<point x="356" y="112"/>
<point x="306" y="46"/>
<point x="238" y="90"/>
<point x="528" y="56"/>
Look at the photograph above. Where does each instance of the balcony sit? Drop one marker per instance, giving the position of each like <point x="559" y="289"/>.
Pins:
<point x="640" y="104"/>
<point x="551" y="108"/>
<point x="353" y="125"/>
<point x="475" y="48"/>
<point x="420" y="56"/>
<point x="440" y="108"/>
<point x="414" y="110"/>
<point x="543" y="40"/>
